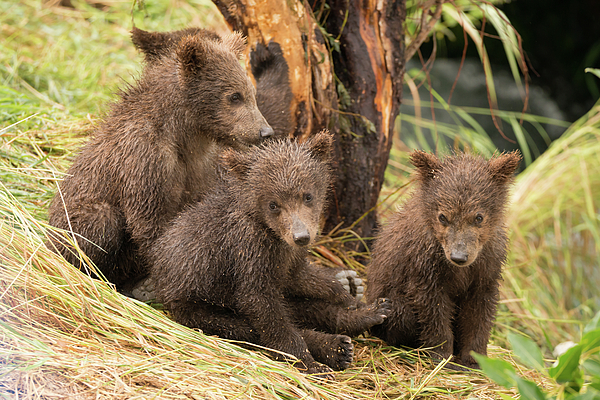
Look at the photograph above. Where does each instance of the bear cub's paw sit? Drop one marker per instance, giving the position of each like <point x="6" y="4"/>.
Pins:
<point x="351" y="283"/>
<point x="340" y="353"/>
<point x="378" y="311"/>
<point x="463" y="364"/>
<point x="143" y="290"/>
<point x="364" y="318"/>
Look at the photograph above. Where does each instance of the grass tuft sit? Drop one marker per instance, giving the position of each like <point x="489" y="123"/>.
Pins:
<point x="551" y="283"/>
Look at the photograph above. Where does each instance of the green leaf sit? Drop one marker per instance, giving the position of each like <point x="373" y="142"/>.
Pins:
<point x="567" y="365"/>
<point x="499" y="371"/>
<point x="529" y="390"/>
<point x="595" y="322"/>
<point x="594" y="71"/>
<point x="590" y="341"/>
<point x="592" y="367"/>
<point x="527" y="351"/>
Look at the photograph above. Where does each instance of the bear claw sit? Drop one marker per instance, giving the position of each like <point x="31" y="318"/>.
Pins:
<point x="351" y="283"/>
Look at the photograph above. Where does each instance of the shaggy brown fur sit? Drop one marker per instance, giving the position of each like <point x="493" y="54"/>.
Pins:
<point x="273" y="91"/>
<point x="270" y="70"/>
<point x="235" y="264"/>
<point x="440" y="258"/>
<point x="156" y="152"/>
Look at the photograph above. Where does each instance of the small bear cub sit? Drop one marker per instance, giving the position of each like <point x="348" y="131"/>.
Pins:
<point x="267" y="63"/>
<point x="439" y="259"/>
<point x="156" y="151"/>
<point x="235" y="264"/>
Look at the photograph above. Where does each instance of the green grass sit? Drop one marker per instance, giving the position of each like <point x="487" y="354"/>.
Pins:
<point x="63" y="63"/>
<point x="62" y="332"/>
<point x="60" y="64"/>
<point x="555" y="221"/>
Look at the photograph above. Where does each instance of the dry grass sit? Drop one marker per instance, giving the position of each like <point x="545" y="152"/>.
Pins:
<point x="65" y="335"/>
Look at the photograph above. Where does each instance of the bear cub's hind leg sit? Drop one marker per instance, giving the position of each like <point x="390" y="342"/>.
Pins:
<point x="99" y="231"/>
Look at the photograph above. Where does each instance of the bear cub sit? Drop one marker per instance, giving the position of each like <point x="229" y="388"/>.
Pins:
<point x="156" y="151"/>
<point x="439" y="259"/>
<point x="267" y="63"/>
<point x="235" y="264"/>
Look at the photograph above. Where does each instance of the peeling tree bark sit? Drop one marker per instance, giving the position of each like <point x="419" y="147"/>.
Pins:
<point x="354" y="90"/>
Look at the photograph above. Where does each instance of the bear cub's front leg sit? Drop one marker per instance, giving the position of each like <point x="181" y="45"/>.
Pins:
<point x="321" y="302"/>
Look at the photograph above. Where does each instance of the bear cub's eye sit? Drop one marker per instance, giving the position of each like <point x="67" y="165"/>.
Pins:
<point x="443" y="219"/>
<point x="308" y="197"/>
<point x="478" y="219"/>
<point x="273" y="206"/>
<point x="235" y="98"/>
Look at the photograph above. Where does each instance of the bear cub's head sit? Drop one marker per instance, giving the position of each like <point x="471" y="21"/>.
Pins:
<point x="463" y="199"/>
<point x="217" y="96"/>
<point x="284" y="185"/>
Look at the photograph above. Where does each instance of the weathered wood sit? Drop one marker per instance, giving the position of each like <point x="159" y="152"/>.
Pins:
<point x="290" y="25"/>
<point x="353" y="90"/>
<point x="370" y="66"/>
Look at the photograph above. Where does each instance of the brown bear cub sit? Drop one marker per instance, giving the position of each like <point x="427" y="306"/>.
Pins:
<point x="235" y="264"/>
<point x="268" y="66"/>
<point x="439" y="259"/>
<point x="156" y="152"/>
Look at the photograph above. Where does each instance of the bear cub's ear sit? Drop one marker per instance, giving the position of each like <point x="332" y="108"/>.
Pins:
<point x="152" y="44"/>
<point x="503" y="166"/>
<point x="157" y="44"/>
<point x="425" y="163"/>
<point x="320" y="145"/>
<point x="192" y="52"/>
<point x="236" y="43"/>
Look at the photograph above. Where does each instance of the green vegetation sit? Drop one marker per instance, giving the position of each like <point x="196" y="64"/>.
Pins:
<point x="575" y="375"/>
<point x="63" y="333"/>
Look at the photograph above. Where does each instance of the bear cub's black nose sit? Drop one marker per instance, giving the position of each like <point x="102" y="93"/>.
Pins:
<point x="266" y="131"/>
<point x="459" y="257"/>
<point x="301" y="238"/>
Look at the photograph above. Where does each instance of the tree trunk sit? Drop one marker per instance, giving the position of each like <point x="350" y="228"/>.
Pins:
<point x="346" y="64"/>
